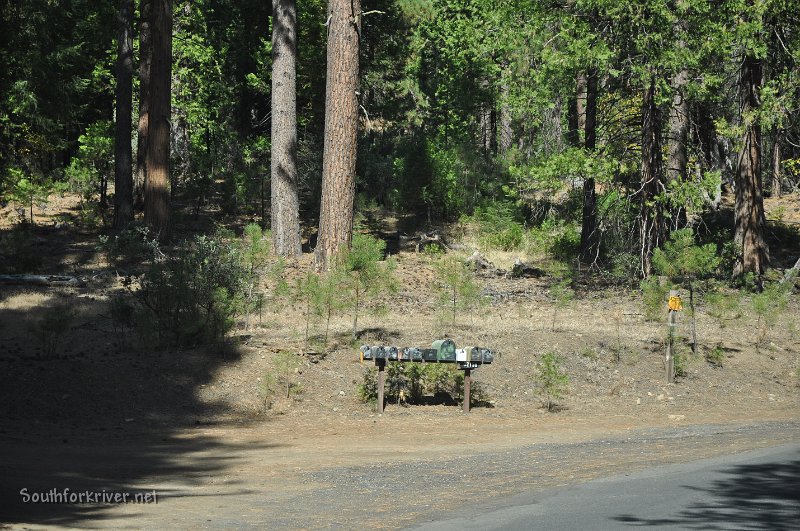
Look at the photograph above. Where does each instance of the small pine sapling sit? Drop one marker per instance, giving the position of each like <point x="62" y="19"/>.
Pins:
<point x="684" y="261"/>
<point x="769" y="305"/>
<point x="458" y="286"/>
<point x="363" y="275"/>
<point x="286" y="363"/>
<point x="552" y="378"/>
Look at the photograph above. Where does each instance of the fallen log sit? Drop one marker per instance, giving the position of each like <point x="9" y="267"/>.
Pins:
<point x="43" y="280"/>
<point x="521" y="269"/>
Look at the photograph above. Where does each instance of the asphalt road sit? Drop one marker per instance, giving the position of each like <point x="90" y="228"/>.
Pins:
<point x="759" y="489"/>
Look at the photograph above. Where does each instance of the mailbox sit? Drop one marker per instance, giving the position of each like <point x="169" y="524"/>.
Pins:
<point x="391" y="353"/>
<point x="487" y="355"/>
<point x="366" y="352"/>
<point x="445" y="350"/>
<point x="429" y="354"/>
<point x="414" y="354"/>
<point x="378" y="353"/>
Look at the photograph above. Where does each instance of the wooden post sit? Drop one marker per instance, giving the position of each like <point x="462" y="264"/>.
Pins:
<point x="670" y="358"/>
<point x="381" y="379"/>
<point x="467" y="381"/>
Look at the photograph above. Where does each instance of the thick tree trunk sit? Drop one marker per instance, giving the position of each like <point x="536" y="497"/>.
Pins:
<point x="749" y="207"/>
<point x="589" y="235"/>
<point x="677" y="161"/>
<point x="123" y="177"/>
<point x="156" y="190"/>
<point x="145" y="56"/>
<point x="652" y="227"/>
<point x="285" y="203"/>
<point x="775" y="187"/>
<point x="341" y="128"/>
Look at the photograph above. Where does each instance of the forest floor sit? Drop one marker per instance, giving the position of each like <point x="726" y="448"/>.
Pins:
<point x="193" y="424"/>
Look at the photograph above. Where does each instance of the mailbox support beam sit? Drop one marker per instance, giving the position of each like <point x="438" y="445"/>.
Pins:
<point x="467" y="381"/>
<point x="381" y="363"/>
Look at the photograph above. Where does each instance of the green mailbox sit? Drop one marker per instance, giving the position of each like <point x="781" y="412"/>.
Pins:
<point x="445" y="350"/>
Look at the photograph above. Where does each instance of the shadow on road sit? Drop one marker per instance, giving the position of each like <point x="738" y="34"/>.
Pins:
<point x="764" y="496"/>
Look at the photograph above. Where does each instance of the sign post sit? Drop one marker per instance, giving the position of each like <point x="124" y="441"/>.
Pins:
<point x="674" y="306"/>
<point x="467" y="380"/>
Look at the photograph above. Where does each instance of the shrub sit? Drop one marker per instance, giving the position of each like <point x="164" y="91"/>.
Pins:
<point x="410" y="382"/>
<point x="194" y="295"/>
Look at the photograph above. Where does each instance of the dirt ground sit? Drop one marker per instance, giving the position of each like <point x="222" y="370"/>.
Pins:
<point x="193" y="424"/>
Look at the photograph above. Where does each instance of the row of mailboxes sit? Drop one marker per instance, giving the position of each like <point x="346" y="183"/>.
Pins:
<point x="441" y="351"/>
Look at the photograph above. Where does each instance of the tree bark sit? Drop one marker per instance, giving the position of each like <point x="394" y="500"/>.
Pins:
<point x="283" y="163"/>
<point x="156" y="190"/>
<point x="775" y="187"/>
<point x="652" y="226"/>
<point x="145" y="56"/>
<point x="589" y="237"/>
<point x="341" y="128"/>
<point x="677" y="160"/>
<point x="753" y="253"/>
<point x="123" y="177"/>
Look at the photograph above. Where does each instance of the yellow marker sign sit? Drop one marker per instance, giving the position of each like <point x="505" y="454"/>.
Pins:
<point x="675" y="303"/>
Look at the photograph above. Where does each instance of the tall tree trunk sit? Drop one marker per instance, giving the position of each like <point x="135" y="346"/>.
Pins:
<point x="775" y="187"/>
<point x="589" y="235"/>
<point x="341" y="128"/>
<point x="285" y="203"/>
<point x="156" y="190"/>
<point x="506" y="132"/>
<point x="145" y="56"/>
<point x="677" y="142"/>
<point x="652" y="226"/>
<point x="749" y="207"/>
<point x="123" y="178"/>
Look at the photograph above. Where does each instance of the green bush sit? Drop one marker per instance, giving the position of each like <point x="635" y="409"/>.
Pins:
<point x="194" y="295"/>
<point x="499" y="228"/>
<point x="769" y="305"/>
<point x="410" y="382"/>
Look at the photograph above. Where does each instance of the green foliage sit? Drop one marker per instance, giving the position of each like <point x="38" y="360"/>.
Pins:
<point x="26" y="190"/>
<point x="130" y="246"/>
<point x="716" y="356"/>
<point x="194" y="295"/>
<point x="654" y="299"/>
<point x="682" y="258"/>
<point x="723" y="306"/>
<point x="458" y="288"/>
<point x="409" y="383"/>
<point x="498" y="227"/>
<point x="364" y="279"/>
<point x="551" y="378"/>
<point x="556" y="238"/>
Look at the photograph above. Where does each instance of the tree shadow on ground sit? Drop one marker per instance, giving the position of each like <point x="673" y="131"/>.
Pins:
<point x="92" y="414"/>
<point x="763" y="496"/>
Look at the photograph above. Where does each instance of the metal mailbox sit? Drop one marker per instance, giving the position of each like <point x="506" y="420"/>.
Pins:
<point x="391" y="353"/>
<point x="445" y="349"/>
